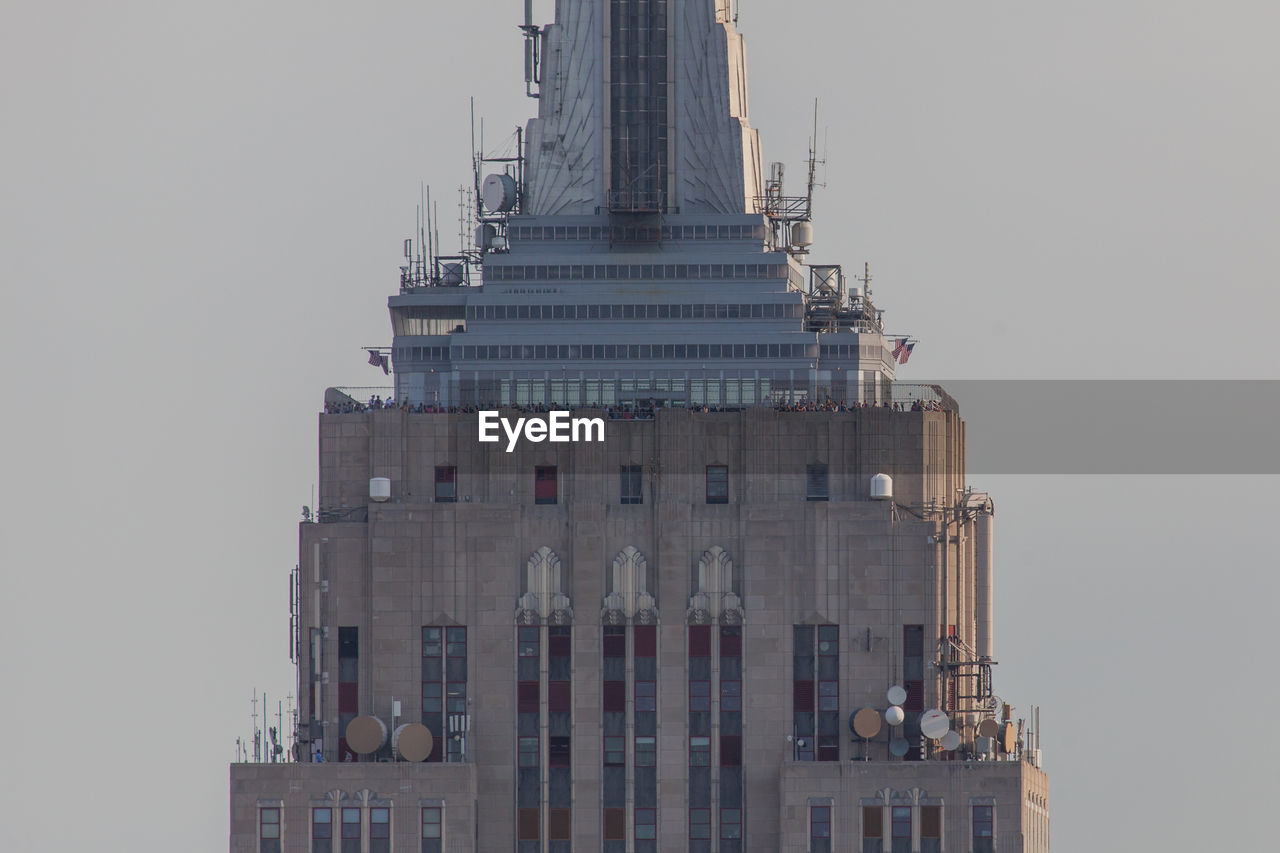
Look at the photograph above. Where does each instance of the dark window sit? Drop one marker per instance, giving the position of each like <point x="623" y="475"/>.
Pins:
<point x="717" y="484"/>
<point x="646" y="824"/>
<point x="615" y="751"/>
<point x="446" y="484"/>
<point x="699" y="751"/>
<point x="930" y="822"/>
<point x="632" y="484"/>
<point x="901" y="829"/>
<point x="558" y="752"/>
<point x="379" y="830"/>
<point x="530" y="824"/>
<point x="731" y="823"/>
<point x="820" y="829"/>
<point x="699" y="823"/>
<point x="815" y="482"/>
<point x="351" y="830"/>
<point x="983" y="829"/>
<point x="545" y="484"/>
<point x="615" y="824"/>
<point x="559" y="824"/>
<point x="432" y="830"/>
<point x="269" y="830"/>
<point x="646" y="751"/>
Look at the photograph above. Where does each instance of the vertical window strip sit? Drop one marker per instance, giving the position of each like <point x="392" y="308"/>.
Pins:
<point x="455" y="671"/>
<point x="614" y="707"/>
<point x="559" y="739"/>
<point x="699" y="668"/>
<point x="379" y="829"/>
<point x="820" y="829"/>
<point x="348" y="686"/>
<point x="645" y="724"/>
<point x="828" y="693"/>
<point x="352" y="829"/>
<point x="900" y="829"/>
<point x="433" y="688"/>
<point x="803" y="703"/>
<point x="529" y="734"/>
<point x="731" y="783"/>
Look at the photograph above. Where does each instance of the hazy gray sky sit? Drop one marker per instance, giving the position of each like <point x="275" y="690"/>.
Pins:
<point x="201" y="214"/>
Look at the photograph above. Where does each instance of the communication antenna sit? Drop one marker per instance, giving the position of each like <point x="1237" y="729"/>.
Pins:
<point x="934" y="724"/>
<point x="896" y="695"/>
<point x="531" y="58"/>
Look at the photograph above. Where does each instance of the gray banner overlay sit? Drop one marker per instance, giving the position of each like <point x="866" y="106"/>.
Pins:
<point x="1120" y="426"/>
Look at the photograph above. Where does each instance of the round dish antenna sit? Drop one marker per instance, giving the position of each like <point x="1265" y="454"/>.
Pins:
<point x="988" y="728"/>
<point x="896" y="695"/>
<point x="865" y="723"/>
<point x="894" y="715"/>
<point x="934" y="724"/>
<point x="412" y="742"/>
<point x="898" y="747"/>
<point x="950" y="741"/>
<point x="366" y="735"/>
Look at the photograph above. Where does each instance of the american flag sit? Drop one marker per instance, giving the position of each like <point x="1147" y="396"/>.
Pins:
<point x="906" y="353"/>
<point x="377" y="359"/>
<point x="897" y="350"/>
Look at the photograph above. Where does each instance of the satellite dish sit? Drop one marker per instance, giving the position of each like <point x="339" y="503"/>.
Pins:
<point x="412" y="742"/>
<point x="366" y="735"/>
<point x="988" y="728"/>
<point x="896" y="695"/>
<point x="898" y="747"/>
<point x="950" y="740"/>
<point x="1008" y="737"/>
<point x="894" y="715"/>
<point x="934" y="724"/>
<point x="865" y="723"/>
<point x="498" y="192"/>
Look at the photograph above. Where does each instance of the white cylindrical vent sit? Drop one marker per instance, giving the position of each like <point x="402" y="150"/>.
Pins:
<point x="881" y="487"/>
<point x="380" y="489"/>
<point x="802" y="233"/>
<point x="982" y="585"/>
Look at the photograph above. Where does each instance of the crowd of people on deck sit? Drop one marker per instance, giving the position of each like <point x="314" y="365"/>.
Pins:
<point x="623" y="412"/>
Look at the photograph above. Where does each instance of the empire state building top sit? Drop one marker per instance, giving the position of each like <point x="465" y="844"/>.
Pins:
<point x="643" y="105"/>
<point x="631" y="252"/>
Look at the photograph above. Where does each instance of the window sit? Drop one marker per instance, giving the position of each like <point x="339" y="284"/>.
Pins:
<point x="646" y="824"/>
<point x="544" y="485"/>
<point x="446" y="484"/>
<point x="269" y="830"/>
<point x="432" y="830"/>
<point x="731" y="823"/>
<point x="322" y="830"/>
<point x="983" y="829"/>
<point x="931" y="829"/>
<point x="872" y="829"/>
<point x="901" y="829"/>
<point x="820" y="829"/>
<point x="646" y="751"/>
<point x="699" y="751"/>
<point x="717" y="484"/>
<point x="632" y="484"/>
<point x="699" y="823"/>
<point x="529" y="824"/>
<point x="379" y="830"/>
<point x="615" y="751"/>
<point x="615" y="824"/>
<point x="529" y="751"/>
<point x="816" y="485"/>
<point x="351" y="830"/>
<point x="559" y="824"/>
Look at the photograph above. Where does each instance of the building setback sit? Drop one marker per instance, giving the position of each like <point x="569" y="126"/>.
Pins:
<point x="756" y="616"/>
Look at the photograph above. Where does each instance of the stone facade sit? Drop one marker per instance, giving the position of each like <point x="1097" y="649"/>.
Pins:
<point x="769" y="558"/>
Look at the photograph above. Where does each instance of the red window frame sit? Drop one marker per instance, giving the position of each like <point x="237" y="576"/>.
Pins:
<point x="546" y="484"/>
<point x="352" y="830"/>
<point x="263" y="823"/>
<point x="379" y="829"/>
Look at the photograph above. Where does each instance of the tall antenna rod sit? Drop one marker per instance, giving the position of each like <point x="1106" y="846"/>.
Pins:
<point x="813" y="156"/>
<point x="431" y="246"/>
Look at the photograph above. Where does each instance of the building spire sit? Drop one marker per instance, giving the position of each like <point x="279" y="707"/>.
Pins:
<point x="642" y="107"/>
